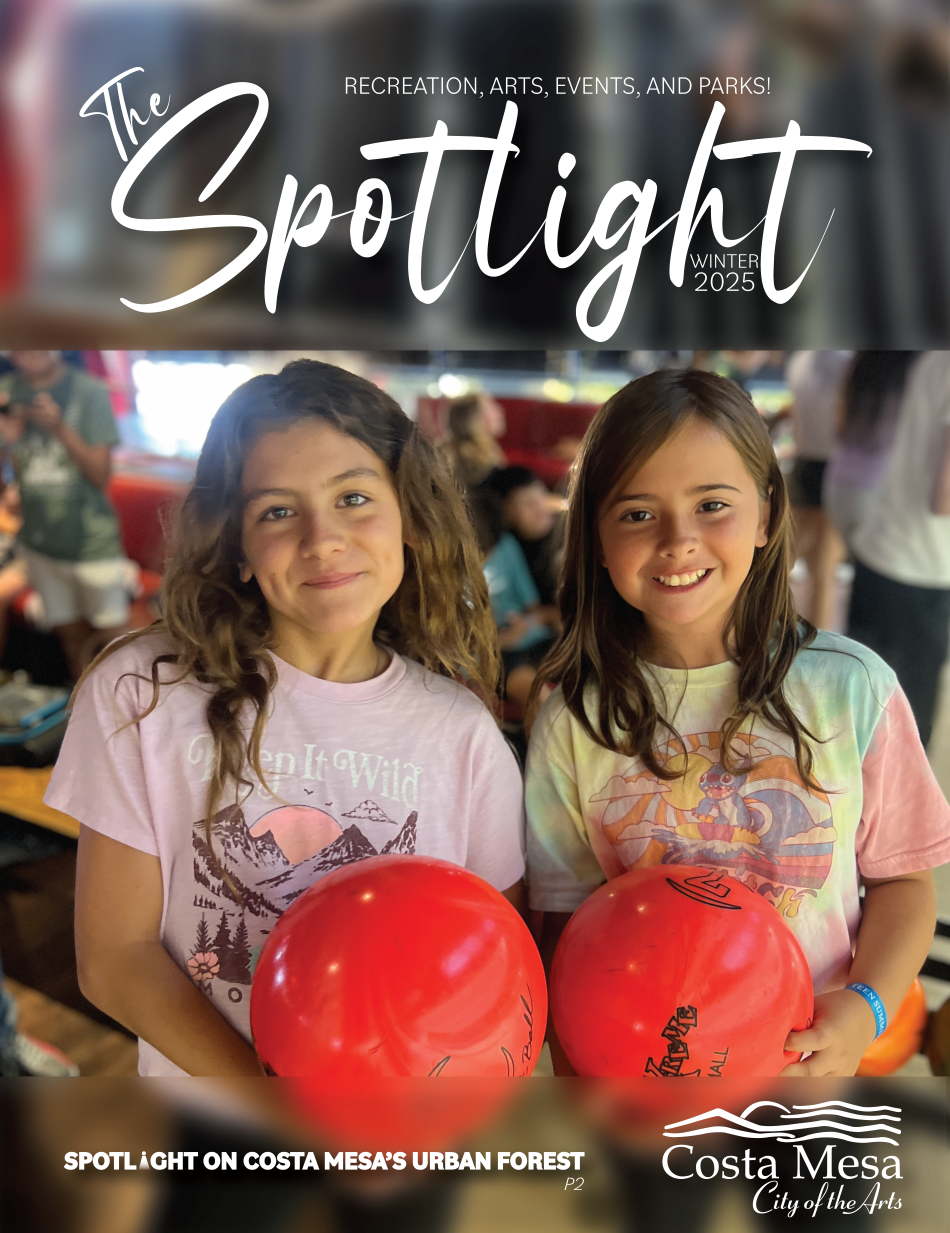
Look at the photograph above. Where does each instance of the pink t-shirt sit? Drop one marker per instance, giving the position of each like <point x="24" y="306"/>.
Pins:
<point x="407" y="762"/>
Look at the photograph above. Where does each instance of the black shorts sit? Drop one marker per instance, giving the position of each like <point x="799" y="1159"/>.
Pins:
<point x="804" y="483"/>
<point x="531" y="656"/>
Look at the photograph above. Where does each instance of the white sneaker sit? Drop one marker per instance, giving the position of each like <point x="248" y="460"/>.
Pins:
<point x="38" y="1058"/>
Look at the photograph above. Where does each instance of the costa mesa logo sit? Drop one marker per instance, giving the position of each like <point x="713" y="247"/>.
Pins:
<point x="836" y="1122"/>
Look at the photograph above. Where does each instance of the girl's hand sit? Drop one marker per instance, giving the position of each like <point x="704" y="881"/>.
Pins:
<point x="844" y="1026"/>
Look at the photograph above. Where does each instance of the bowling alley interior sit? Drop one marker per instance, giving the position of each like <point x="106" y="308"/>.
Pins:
<point x="511" y="422"/>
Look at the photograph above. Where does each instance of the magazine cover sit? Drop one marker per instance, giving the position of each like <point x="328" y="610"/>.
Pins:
<point x="474" y="602"/>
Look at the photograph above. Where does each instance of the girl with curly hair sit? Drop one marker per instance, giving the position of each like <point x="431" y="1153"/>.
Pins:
<point x="300" y="705"/>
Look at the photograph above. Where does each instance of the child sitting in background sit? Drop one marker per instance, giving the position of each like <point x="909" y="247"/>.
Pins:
<point x="531" y="515"/>
<point x="525" y="627"/>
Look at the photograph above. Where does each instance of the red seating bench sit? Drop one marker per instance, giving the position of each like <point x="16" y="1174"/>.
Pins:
<point x="141" y="503"/>
<point x="534" y="428"/>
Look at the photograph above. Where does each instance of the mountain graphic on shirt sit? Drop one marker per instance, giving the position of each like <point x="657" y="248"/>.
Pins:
<point x="222" y="868"/>
<point x="235" y="845"/>
<point x="351" y="846"/>
<point x="405" y="841"/>
<point x="298" y="831"/>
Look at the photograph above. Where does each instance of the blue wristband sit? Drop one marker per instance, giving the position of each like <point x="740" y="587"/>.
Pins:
<point x="875" y="1003"/>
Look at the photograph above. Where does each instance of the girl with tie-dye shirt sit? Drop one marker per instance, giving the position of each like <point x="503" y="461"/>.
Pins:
<point x="700" y="721"/>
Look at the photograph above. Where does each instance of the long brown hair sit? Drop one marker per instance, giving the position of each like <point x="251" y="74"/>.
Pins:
<point x="219" y="627"/>
<point x="601" y="632"/>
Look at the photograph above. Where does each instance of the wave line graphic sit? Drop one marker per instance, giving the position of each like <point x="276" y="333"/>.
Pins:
<point x="842" y="1104"/>
<point x="858" y="1117"/>
<point x="843" y="1122"/>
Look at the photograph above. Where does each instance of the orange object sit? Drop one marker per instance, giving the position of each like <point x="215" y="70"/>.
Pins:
<point x="902" y="1037"/>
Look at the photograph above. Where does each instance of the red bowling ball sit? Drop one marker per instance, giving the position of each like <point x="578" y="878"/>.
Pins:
<point x="399" y="966"/>
<point x="676" y="971"/>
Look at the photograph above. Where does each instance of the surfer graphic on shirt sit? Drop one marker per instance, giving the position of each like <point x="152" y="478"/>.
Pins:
<point x="757" y="822"/>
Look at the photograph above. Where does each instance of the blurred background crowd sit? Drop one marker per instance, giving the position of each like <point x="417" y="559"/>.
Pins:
<point x="860" y="436"/>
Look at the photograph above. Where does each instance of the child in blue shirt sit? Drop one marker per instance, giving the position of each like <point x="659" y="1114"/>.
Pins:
<point x="524" y="627"/>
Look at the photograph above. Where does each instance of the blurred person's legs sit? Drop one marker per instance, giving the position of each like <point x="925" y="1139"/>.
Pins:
<point x="816" y="539"/>
<point x="909" y="627"/>
<point x="86" y="603"/>
<point x="846" y="505"/>
<point x="819" y="543"/>
<point x="520" y="668"/>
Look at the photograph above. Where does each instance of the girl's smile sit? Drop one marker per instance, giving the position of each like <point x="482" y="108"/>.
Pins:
<point x="683" y="582"/>
<point x="677" y="537"/>
<point x="327" y="581"/>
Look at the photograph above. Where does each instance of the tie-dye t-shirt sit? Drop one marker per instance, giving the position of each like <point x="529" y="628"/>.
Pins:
<point x="593" y="814"/>
<point x="408" y="762"/>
